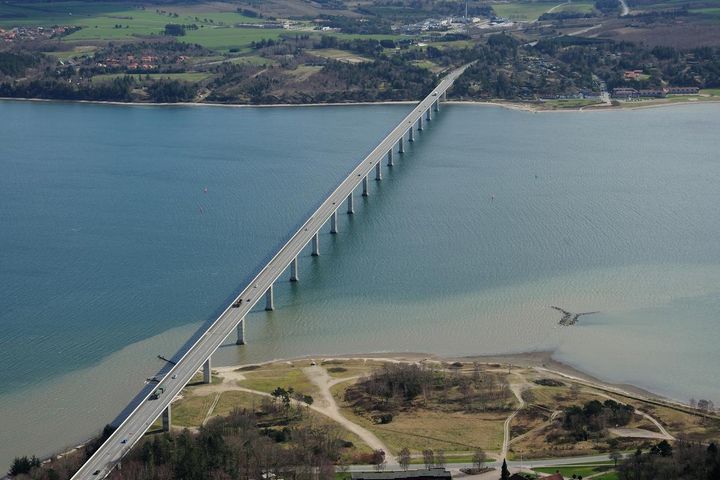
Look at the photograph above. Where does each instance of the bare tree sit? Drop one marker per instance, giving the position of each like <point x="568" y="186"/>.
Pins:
<point x="574" y="391"/>
<point x="428" y="458"/>
<point x="440" y="458"/>
<point x="378" y="460"/>
<point x="479" y="458"/>
<point x="615" y="456"/>
<point x="404" y="458"/>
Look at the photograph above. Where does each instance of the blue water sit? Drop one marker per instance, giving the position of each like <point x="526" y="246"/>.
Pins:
<point x="111" y="250"/>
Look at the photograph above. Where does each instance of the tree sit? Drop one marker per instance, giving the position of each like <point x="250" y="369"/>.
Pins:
<point x="440" y="458"/>
<point x="615" y="456"/>
<point x="574" y="390"/>
<point x="174" y="30"/>
<point x="664" y="449"/>
<point x="404" y="458"/>
<point x="479" y="458"/>
<point x="504" y="472"/>
<point x="428" y="458"/>
<point x="378" y="459"/>
<point x="23" y="465"/>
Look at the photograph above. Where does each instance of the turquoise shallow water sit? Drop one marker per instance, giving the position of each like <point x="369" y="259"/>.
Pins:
<point x="111" y="250"/>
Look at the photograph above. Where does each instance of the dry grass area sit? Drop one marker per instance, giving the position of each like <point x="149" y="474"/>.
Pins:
<point x="689" y="32"/>
<point x="423" y="428"/>
<point x="431" y="423"/>
<point x="339" y="55"/>
<point x="681" y="424"/>
<point x="337" y="368"/>
<point x="282" y="374"/>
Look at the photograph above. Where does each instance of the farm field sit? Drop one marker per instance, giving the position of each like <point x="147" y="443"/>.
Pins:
<point x="523" y="11"/>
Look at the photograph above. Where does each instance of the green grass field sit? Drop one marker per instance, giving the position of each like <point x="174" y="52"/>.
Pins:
<point x="121" y="21"/>
<point x="523" y="11"/>
<point x="712" y="12"/>
<point x="580" y="470"/>
<point x="225" y="38"/>
<point x="111" y="13"/>
<point x="582" y="7"/>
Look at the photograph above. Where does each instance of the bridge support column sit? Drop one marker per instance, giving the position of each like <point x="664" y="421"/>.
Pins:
<point x="411" y="131"/>
<point x="294" y="270"/>
<point x="166" y="419"/>
<point x="437" y="105"/>
<point x="207" y="371"/>
<point x="316" y="245"/>
<point x="333" y="222"/>
<point x="350" y="204"/>
<point x="365" y="187"/>
<point x="444" y="95"/>
<point x="241" y="332"/>
<point x="401" y="144"/>
<point x="390" y="158"/>
<point x="420" y="122"/>
<point x="378" y="171"/>
<point x="429" y="114"/>
<point x="269" y="299"/>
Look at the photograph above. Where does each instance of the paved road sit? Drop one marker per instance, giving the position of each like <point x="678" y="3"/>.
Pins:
<point x="525" y="464"/>
<point x="147" y="411"/>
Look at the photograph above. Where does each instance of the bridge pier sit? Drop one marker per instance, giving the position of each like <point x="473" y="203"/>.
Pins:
<point x="166" y="419"/>
<point x="333" y="222"/>
<point x="378" y="171"/>
<point x="294" y="270"/>
<point x="269" y="299"/>
<point x="390" y="158"/>
<point x="429" y="114"/>
<point x="411" y="131"/>
<point x="420" y="122"/>
<point x="207" y="371"/>
<point x="316" y="245"/>
<point x="241" y="332"/>
<point x="401" y="146"/>
<point x="365" y="186"/>
<point x="350" y="204"/>
<point x="437" y="105"/>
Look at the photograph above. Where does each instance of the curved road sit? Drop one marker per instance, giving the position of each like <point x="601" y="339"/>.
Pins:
<point x="147" y="411"/>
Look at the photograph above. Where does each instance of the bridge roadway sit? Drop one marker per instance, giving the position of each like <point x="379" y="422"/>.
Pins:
<point x="147" y="411"/>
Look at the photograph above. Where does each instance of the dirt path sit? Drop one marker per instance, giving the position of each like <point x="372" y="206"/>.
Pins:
<point x="625" y="8"/>
<point x="638" y="432"/>
<point x="210" y="411"/>
<point x="517" y="389"/>
<point x="327" y="405"/>
<point x="557" y="6"/>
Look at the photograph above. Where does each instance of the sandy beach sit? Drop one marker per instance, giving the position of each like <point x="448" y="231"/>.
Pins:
<point x="517" y="106"/>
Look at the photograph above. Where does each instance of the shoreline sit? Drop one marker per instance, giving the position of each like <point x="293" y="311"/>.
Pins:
<point x="541" y="361"/>
<point x="516" y="106"/>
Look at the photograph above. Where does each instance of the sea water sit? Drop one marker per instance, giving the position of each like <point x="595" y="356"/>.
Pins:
<point x="124" y="228"/>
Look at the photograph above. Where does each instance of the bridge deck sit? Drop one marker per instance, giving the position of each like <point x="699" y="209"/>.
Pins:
<point x="147" y="411"/>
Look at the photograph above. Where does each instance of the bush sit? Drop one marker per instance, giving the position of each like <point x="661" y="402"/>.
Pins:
<point x="175" y="30"/>
<point x="23" y="465"/>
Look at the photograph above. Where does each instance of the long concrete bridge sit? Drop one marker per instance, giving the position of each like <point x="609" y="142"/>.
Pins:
<point x="198" y="355"/>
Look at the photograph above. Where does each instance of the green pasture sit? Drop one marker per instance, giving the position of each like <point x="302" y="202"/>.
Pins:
<point x="523" y="11"/>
